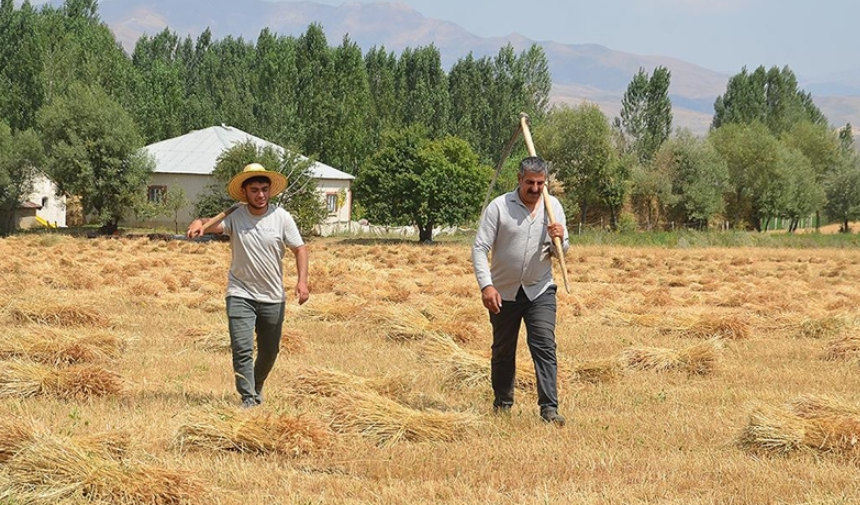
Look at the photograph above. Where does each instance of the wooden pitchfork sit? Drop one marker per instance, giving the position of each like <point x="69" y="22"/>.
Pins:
<point x="523" y="128"/>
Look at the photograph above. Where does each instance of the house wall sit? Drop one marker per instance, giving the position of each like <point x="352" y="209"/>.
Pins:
<point x="53" y="207"/>
<point x="195" y="185"/>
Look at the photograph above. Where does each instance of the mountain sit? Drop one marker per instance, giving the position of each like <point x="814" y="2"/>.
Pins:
<point x="580" y="72"/>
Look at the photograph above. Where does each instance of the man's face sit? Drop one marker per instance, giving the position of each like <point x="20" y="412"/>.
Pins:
<point x="257" y="194"/>
<point x="531" y="186"/>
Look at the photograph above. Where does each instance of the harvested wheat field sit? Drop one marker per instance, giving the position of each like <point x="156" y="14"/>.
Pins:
<point x="688" y="376"/>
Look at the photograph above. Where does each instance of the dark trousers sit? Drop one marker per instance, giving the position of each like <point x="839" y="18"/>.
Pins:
<point x="539" y="316"/>
<point x="245" y="318"/>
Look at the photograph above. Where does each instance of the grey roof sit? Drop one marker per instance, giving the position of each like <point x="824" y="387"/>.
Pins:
<point x="196" y="152"/>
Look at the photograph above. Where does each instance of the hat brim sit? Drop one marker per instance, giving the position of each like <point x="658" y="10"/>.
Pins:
<point x="278" y="183"/>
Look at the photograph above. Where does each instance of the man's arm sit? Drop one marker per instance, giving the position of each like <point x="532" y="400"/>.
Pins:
<point x="195" y="229"/>
<point x="484" y="240"/>
<point x="302" y="292"/>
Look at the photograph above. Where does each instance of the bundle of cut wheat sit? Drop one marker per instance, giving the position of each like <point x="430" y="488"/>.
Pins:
<point x="19" y="378"/>
<point x="464" y="368"/>
<point x="41" y="468"/>
<point x="323" y="382"/>
<point x="388" y="422"/>
<point x="808" y="423"/>
<point x="843" y="348"/>
<point x="596" y="371"/>
<point x="698" y="359"/>
<point x="401" y="322"/>
<point x="56" y="313"/>
<point x="255" y="431"/>
<point x="820" y="327"/>
<point x="47" y="345"/>
<point x="711" y="326"/>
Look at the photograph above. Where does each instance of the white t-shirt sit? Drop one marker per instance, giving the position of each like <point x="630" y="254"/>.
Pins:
<point x="258" y="244"/>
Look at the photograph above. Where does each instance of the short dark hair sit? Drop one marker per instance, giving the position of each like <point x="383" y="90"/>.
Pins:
<point x="535" y="165"/>
<point x="256" y="178"/>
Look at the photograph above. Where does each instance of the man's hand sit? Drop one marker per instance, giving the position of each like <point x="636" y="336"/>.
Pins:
<point x="556" y="231"/>
<point x="195" y="229"/>
<point x="302" y="292"/>
<point x="492" y="299"/>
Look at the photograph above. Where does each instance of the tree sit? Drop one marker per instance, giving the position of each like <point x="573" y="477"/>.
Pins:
<point x="646" y="112"/>
<point x="770" y="97"/>
<point x="422" y="90"/>
<point x="421" y="182"/>
<point x="21" y="66"/>
<point x="842" y="187"/>
<point x="578" y="143"/>
<point x="20" y="154"/>
<point x="93" y="150"/>
<point x="172" y="202"/>
<point x="347" y="146"/>
<point x="761" y="179"/>
<point x="698" y="176"/>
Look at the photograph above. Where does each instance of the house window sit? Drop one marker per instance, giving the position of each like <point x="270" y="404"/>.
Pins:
<point x="44" y="202"/>
<point x="331" y="202"/>
<point x="155" y="193"/>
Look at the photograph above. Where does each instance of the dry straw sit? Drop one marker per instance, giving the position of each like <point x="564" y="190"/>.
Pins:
<point x="846" y="347"/>
<point x="322" y="382"/>
<point x="821" y="327"/>
<point x="596" y="371"/>
<point x="812" y="423"/>
<point x="47" y="345"/>
<point x="699" y="359"/>
<point x="252" y="431"/>
<point x="388" y="422"/>
<point x="42" y="468"/>
<point x="401" y="322"/>
<point x="56" y="313"/>
<point x="23" y="379"/>
<point x="710" y="326"/>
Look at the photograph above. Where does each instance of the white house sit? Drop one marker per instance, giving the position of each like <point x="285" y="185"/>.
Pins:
<point x="188" y="161"/>
<point x="42" y="208"/>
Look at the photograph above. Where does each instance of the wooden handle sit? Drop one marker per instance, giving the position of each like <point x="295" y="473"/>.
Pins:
<point x="527" y="136"/>
<point x="220" y="217"/>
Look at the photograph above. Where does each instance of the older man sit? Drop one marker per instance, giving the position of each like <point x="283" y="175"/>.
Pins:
<point x="517" y="284"/>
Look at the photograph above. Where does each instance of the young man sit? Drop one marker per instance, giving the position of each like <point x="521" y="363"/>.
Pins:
<point x="259" y="235"/>
<point x="517" y="285"/>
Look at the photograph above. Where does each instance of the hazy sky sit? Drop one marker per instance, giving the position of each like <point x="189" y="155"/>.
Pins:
<point x="814" y="37"/>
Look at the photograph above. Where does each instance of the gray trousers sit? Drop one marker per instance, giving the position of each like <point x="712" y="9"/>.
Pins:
<point x="539" y="316"/>
<point x="245" y="317"/>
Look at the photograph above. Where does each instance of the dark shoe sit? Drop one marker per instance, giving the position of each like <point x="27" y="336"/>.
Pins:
<point x="502" y="409"/>
<point x="249" y="403"/>
<point x="552" y="416"/>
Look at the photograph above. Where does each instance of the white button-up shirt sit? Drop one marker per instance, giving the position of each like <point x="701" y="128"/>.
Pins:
<point x="520" y="244"/>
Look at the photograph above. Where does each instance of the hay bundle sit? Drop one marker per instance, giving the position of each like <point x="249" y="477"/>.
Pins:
<point x="46" y="469"/>
<point x="710" y="326"/>
<point x="45" y="345"/>
<point x="19" y="378"/>
<point x="328" y="383"/>
<point x="57" y="314"/>
<point x="808" y="423"/>
<point x="401" y="322"/>
<point x="699" y="359"/>
<point x="209" y="338"/>
<point x="596" y="371"/>
<point x="254" y="431"/>
<point x="464" y="368"/>
<point x="334" y="308"/>
<point x="820" y="328"/>
<point x="844" y="348"/>
<point x="388" y="422"/>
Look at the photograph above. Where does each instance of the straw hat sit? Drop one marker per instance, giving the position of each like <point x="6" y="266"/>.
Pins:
<point x="278" y="181"/>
